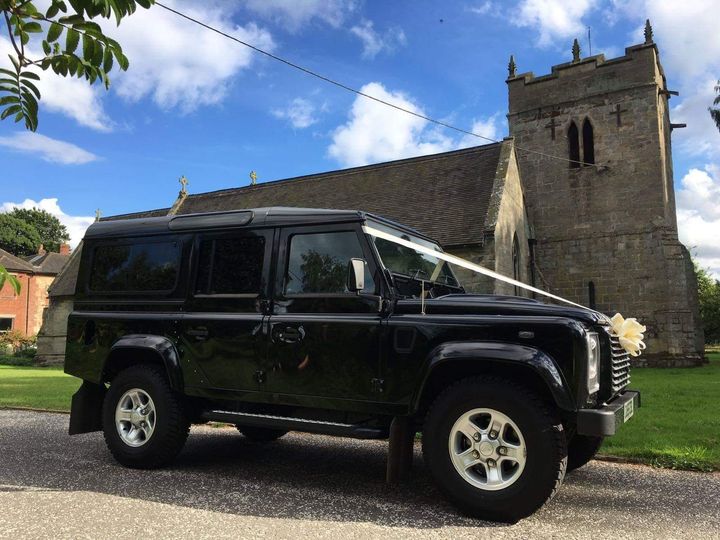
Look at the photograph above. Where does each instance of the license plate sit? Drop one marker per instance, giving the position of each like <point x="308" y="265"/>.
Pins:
<point x="628" y="410"/>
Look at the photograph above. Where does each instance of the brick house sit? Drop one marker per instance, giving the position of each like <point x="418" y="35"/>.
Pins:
<point x="24" y="312"/>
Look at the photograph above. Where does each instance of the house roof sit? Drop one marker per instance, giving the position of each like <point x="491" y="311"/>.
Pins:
<point x="15" y="264"/>
<point x="421" y="192"/>
<point x="48" y="263"/>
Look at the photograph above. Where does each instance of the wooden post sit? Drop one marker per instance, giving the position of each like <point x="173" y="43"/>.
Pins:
<point x="400" y="450"/>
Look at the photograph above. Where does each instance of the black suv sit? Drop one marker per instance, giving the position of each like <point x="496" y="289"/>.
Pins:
<point x="279" y="319"/>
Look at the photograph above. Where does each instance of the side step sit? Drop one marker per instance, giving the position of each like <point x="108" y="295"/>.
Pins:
<point x="296" y="424"/>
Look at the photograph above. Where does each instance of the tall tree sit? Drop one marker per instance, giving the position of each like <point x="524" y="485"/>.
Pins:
<point x="32" y="30"/>
<point x="17" y="236"/>
<point x="52" y="232"/>
<point x="715" y="111"/>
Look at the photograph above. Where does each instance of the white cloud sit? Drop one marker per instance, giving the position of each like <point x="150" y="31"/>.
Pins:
<point x="698" y="202"/>
<point x="482" y="9"/>
<point x="376" y="132"/>
<point x="69" y="96"/>
<point x="701" y="137"/>
<point x="295" y="14"/>
<point x="300" y="113"/>
<point x="179" y="63"/>
<point x="47" y="149"/>
<point x="374" y="43"/>
<point x="488" y="128"/>
<point x="553" y="19"/>
<point x="75" y="225"/>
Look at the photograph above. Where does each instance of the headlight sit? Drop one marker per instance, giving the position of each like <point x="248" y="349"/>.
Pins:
<point x="593" y="355"/>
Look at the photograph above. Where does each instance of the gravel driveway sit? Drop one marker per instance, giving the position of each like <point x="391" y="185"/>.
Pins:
<point x="223" y="486"/>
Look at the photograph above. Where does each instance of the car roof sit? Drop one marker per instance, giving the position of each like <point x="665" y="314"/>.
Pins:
<point x="251" y="217"/>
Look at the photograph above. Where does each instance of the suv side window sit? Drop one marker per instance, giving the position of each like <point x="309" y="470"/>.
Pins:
<point x="140" y="267"/>
<point x="318" y="263"/>
<point x="231" y="266"/>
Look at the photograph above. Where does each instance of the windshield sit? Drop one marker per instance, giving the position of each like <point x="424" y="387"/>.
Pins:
<point x="407" y="262"/>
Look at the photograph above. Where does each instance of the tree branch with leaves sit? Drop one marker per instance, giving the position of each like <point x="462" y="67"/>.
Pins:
<point x="715" y="111"/>
<point x="72" y="43"/>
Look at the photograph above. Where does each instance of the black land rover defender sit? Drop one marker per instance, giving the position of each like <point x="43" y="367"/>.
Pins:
<point x="279" y="319"/>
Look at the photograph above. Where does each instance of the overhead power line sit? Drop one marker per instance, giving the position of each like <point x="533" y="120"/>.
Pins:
<point x="360" y="92"/>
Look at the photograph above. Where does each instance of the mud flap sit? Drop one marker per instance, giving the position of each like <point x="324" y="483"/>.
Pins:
<point x="86" y="408"/>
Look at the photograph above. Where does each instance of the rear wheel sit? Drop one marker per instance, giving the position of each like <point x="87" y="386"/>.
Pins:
<point x="495" y="449"/>
<point x="144" y="422"/>
<point x="581" y="450"/>
<point x="261" y="434"/>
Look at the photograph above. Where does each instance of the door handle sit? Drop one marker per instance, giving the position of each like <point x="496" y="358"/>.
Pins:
<point x="290" y="334"/>
<point x="200" y="333"/>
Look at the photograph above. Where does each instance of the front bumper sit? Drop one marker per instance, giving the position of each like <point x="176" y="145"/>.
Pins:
<point x="606" y="420"/>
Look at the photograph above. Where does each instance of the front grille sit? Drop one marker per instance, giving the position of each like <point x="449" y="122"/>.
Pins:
<point x="620" y="372"/>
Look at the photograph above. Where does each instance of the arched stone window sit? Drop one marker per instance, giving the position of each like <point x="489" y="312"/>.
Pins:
<point x="573" y="145"/>
<point x="588" y="143"/>
<point x="516" y="262"/>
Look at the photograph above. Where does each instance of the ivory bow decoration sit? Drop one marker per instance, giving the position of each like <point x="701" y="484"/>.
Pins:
<point x="630" y="333"/>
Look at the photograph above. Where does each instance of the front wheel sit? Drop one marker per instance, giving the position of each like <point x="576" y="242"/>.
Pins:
<point x="495" y="449"/>
<point x="144" y="421"/>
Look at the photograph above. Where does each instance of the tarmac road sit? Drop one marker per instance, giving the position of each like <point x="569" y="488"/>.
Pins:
<point x="306" y="486"/>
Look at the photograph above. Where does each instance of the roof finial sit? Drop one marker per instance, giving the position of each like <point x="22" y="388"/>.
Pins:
<point x="511" y="67"/>
<point x="648" y="32"/>
<point x="253" y="178"/>
<point x="183" y="182"/>
<point x="576" y="51"/>
<point x="98" y="213"/>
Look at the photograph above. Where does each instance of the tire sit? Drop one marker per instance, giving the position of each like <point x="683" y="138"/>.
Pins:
<point x="526" y="481"/>
<point x="261" y="434"/>
<point x="166" y="423"/>
<point x="581" y="450"/>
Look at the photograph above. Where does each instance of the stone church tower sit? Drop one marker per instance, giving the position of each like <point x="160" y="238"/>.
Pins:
<point x="604" y="222"/>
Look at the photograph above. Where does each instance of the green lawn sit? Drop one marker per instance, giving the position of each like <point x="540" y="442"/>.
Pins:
<point x="38" y="388"/>
<point x="678" y="425"/>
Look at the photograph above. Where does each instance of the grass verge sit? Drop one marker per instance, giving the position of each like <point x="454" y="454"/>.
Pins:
<point x="678" y="426"/>
<point x="36" y="388"/>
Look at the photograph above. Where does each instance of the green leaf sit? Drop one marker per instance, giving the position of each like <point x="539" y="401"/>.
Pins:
<point x="19" y="116"/>
<point x="73" y="38"/>
<point x="8" y="72"/>
<point x="46" y="47"/>
<point x="123" y="61"/>
<point x="88" y="47"/>
<point x="107" y="60"/>
<point x="31" y="86"/>
<point x="9" y="89"/>
<point x="52" y="11"/>
<point x="14" y="62"/>
<point x="98" y="56"/>
<point x="71" y="19"/>
<point x="24" y="38"/>
<point x="32" y="28"/>
<point x="9" y="99"/>
<point x="10" y="110"/>
<point x="29" y="75"/>
<point x="54" y="32"/>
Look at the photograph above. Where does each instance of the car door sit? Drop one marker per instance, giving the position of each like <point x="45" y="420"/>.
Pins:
<point x="222" y="329"/>
<point x="324" y="340"/>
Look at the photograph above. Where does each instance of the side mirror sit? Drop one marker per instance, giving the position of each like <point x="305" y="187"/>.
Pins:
<point x="356" y="275"/>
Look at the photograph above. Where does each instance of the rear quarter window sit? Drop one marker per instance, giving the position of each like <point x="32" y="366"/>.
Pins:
<point x="141" y="267"/>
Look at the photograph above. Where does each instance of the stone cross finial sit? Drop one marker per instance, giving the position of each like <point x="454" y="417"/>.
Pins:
<point x="511" y="67"/>
<point x="648" y="32"/>
<point x="576" y="51"/>
<point x="97" y="214"/>
<point x="183" y="182"/>
<point x="253" y="177"/>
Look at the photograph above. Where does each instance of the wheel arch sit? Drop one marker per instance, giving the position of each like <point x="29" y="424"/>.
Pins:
<point x="530" y="366"/>
<point x="144" y="349"/>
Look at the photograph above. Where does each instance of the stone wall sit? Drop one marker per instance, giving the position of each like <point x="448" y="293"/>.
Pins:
<point x="613" y="225"/>
<point x="52" y="335"/>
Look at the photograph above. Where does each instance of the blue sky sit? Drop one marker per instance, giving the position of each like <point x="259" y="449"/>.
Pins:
<point x="196" y="104"/>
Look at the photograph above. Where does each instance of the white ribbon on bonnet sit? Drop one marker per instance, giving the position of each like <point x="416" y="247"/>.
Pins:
<point x="629" y="331"/>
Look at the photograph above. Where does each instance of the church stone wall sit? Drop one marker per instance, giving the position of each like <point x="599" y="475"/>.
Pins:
<point x="615" y="224"/>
